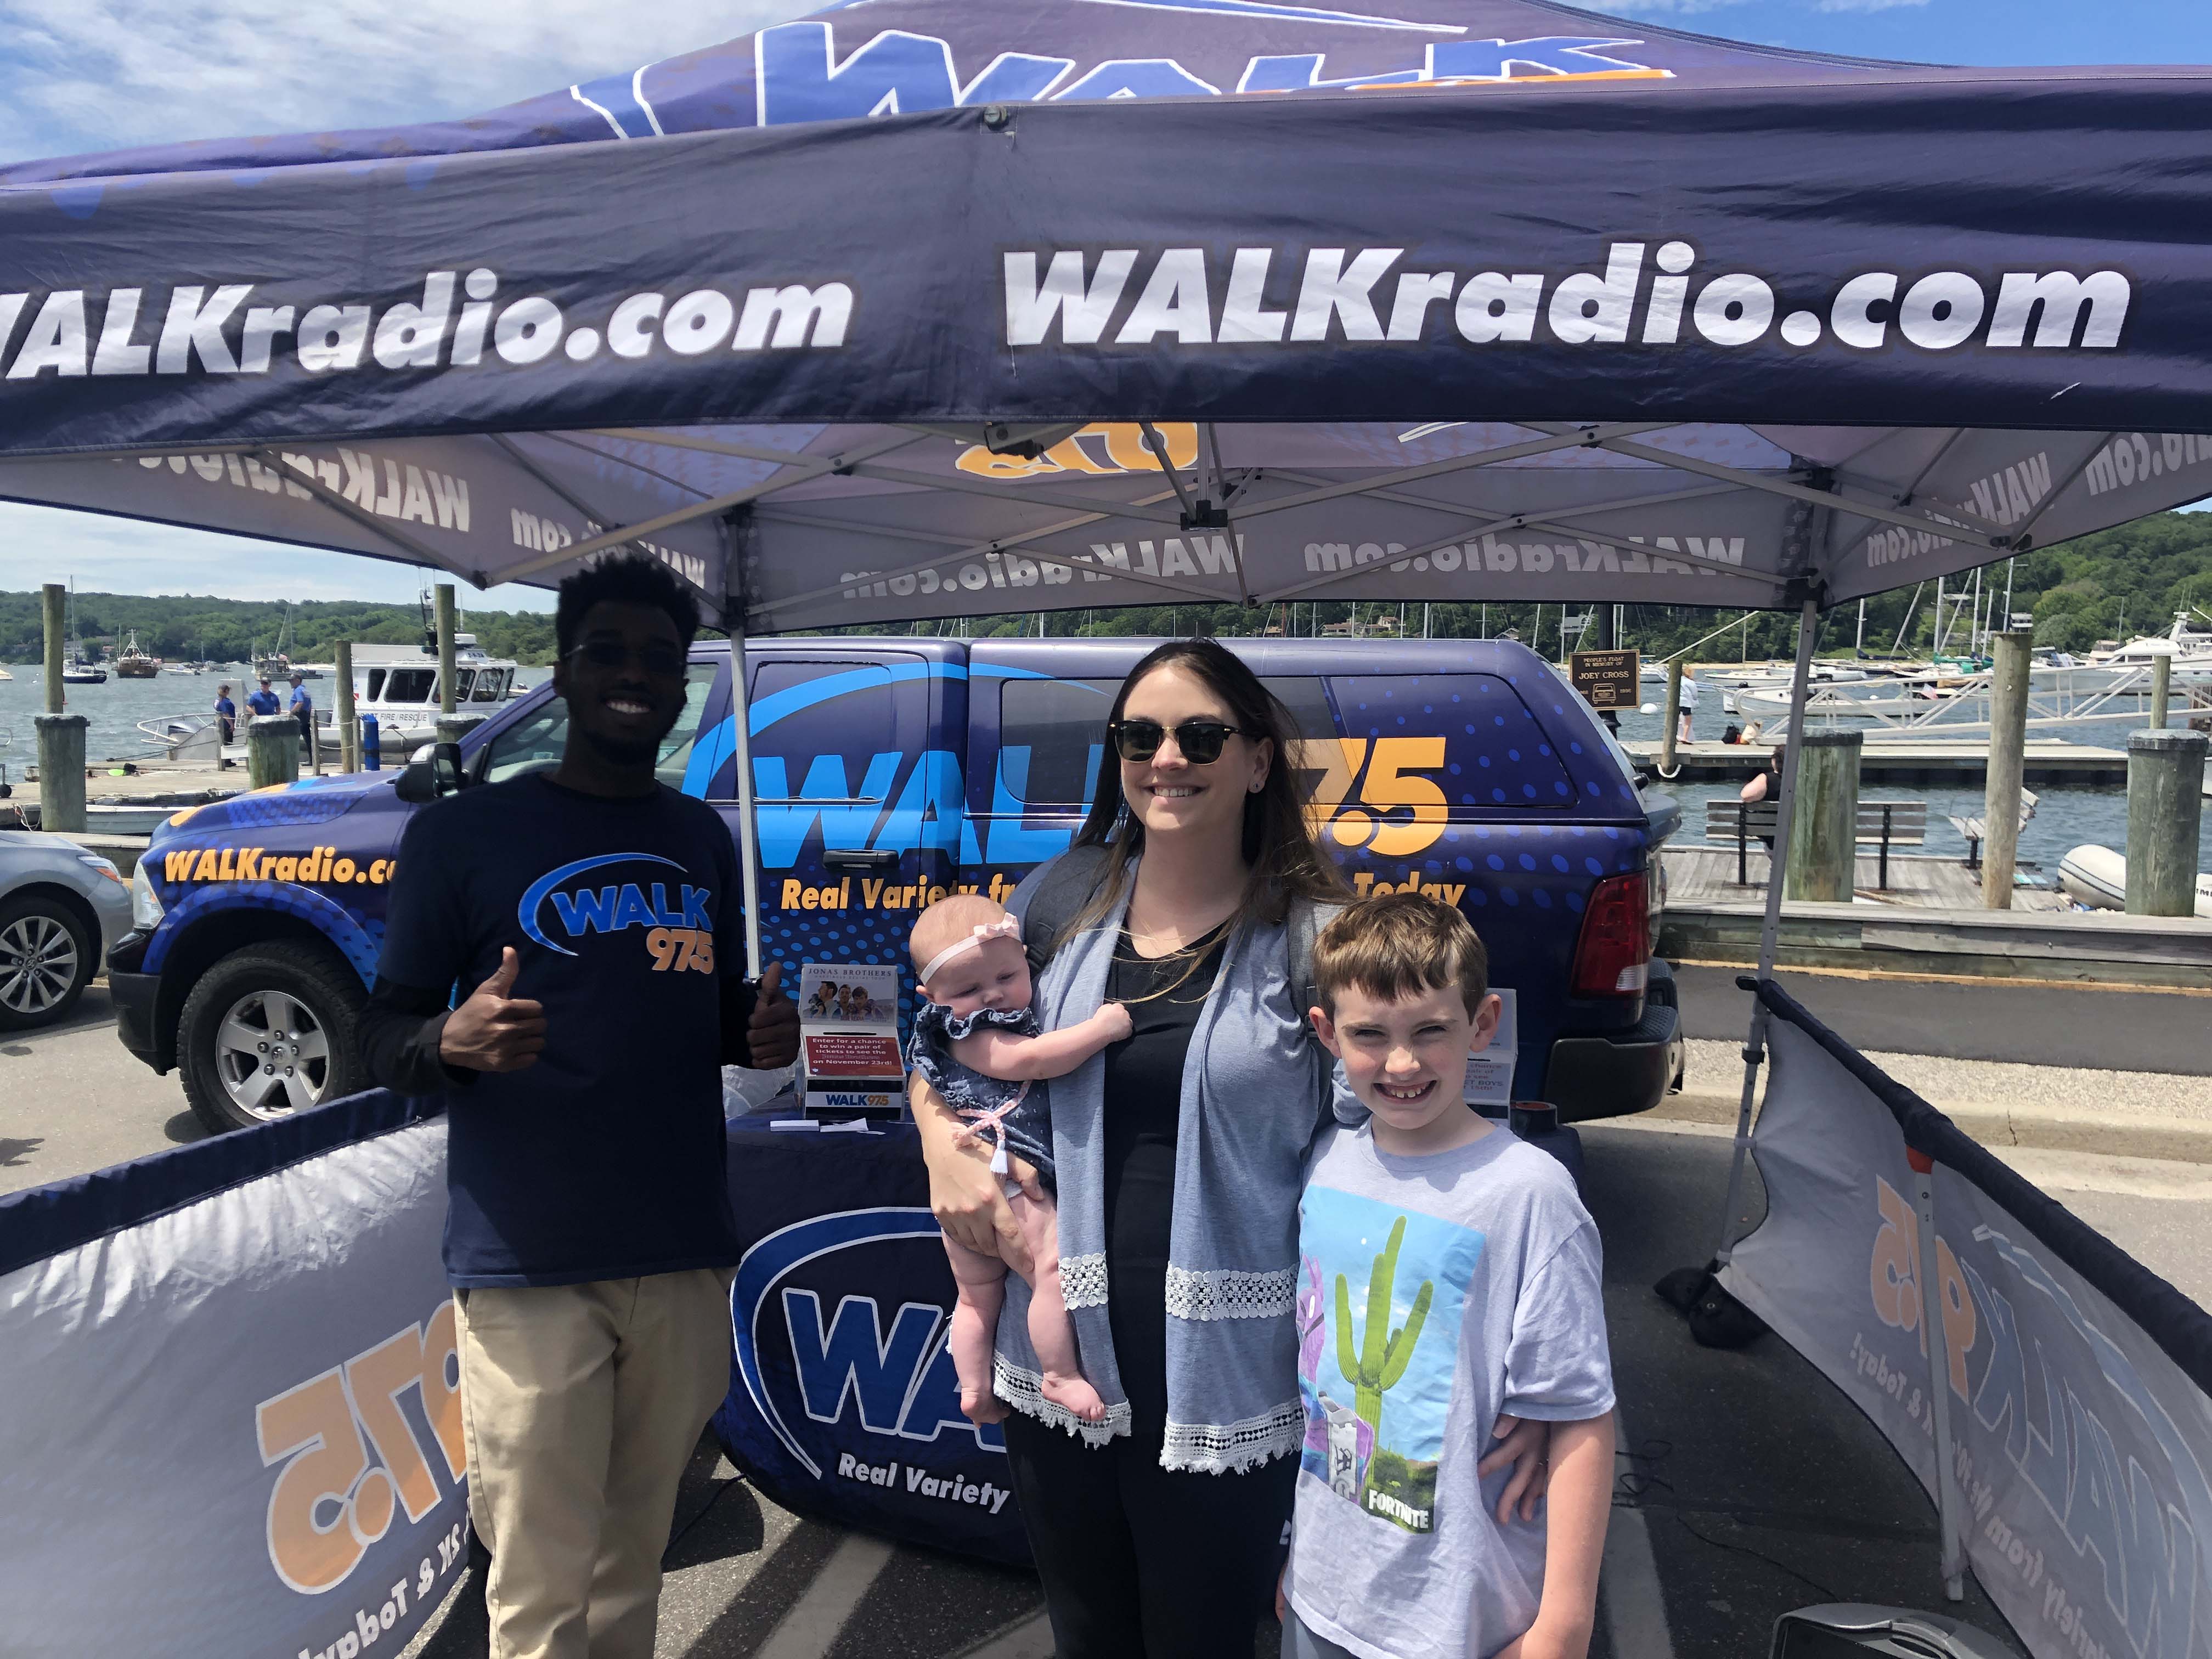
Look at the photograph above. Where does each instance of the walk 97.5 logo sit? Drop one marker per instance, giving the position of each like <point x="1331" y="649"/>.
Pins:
<point x="369" y="1450"/>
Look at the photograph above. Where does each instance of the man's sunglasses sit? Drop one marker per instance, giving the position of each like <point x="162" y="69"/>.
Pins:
<point x="1198" y="741"/>
<point x="662" y="661"/>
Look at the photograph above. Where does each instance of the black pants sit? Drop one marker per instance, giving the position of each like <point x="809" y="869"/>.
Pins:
<point x="1141" y="1563"/>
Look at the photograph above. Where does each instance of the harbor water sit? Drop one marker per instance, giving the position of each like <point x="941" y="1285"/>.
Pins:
<point x="2066" y="817"/>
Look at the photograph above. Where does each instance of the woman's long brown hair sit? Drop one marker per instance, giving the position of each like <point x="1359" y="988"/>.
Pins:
<point x="1277" y="843"/>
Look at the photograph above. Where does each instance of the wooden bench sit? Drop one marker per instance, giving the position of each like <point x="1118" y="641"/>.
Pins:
<point x="1975" y="831"/>
<point x="1883" y="824"/>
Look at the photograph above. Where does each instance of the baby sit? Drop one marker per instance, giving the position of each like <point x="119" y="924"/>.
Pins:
<point x="977" y="1043"/>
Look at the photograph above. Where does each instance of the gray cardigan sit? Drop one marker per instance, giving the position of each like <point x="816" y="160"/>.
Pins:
<point x="1254" y="1086"/>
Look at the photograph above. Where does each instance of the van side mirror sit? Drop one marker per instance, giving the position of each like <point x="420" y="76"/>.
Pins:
<point x="425" y="781"/>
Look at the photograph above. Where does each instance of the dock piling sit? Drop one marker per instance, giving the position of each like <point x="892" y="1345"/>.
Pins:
<point x="2162" y="689"/>
<point x="446" y="703"/>
<point x="272" y="749"/>
<point x="2008" y="685"/>
<point x="1673" y="722"/>
<point x="349" y="730"/>
<point x="61" y="771"/>
<point x="54" y="601"/>
<point x="2165" y="774"/>
<point x="1823" y="853"/>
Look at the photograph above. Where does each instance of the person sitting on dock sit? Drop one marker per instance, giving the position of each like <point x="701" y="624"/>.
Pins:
<point x="1767" y="785"/>
<point x="226" y="713"/>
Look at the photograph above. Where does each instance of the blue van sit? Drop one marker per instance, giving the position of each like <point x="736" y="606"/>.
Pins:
<point x="887" y="771"/>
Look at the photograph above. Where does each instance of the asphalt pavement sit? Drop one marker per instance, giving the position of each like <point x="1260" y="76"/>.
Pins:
<point x="73" y="1099"/>
<point x="2029" y="1021"/>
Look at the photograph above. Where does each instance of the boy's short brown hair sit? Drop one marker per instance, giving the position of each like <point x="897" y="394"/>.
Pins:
<point x="1399" y="945"/>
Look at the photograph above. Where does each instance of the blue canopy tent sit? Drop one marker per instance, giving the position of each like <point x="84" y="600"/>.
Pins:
<point x="926" y="308"/>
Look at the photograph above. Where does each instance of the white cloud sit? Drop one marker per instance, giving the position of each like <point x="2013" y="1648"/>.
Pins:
<point x="91" y="74"/>
<point x="122" y="556"/>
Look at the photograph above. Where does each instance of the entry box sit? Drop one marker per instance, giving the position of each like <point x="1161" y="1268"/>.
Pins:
<point x="848" y="1048"/>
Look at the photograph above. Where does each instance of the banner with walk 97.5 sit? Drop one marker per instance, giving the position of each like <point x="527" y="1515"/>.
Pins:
<point x="232" y="1427"/>
<point x="2081" y="1430"/>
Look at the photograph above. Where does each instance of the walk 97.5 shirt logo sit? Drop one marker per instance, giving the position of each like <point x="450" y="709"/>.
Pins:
<point x="678" y="917"/>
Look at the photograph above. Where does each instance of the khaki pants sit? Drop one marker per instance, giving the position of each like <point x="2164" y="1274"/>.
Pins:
<point x="581" y="1404"/>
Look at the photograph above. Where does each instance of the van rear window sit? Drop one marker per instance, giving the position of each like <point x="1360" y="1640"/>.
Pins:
<point x="1468" y="738"/>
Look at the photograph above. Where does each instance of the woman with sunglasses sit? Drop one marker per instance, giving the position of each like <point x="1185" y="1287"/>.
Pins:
<point x="1181" y="1152"/>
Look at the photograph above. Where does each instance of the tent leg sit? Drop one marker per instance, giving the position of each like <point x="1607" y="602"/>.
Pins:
<point x="1935" y="1338"/>
<point x="1777" y="864"/>
<point x="748" y="827"/>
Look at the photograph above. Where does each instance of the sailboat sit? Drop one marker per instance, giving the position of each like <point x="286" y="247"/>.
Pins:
<point x="75" y="671"/>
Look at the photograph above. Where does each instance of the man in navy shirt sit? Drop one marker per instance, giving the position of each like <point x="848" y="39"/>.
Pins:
<point x="589" y="1239"/>
<point x="302" y="710"/>
<point x="263" y="701"/>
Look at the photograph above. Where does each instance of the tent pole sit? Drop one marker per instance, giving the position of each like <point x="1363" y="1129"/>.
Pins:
<point x="1935" y="1338"/>
<point x="1778" y="865"/>
<point x="741" y="722"/>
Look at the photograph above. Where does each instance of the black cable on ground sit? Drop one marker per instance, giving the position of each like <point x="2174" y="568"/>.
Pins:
<point x="705" y="1509"/>
<point x="1632" y="1484"/>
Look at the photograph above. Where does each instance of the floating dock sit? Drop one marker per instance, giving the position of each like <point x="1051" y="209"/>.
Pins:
<point x="1932" y="760"/>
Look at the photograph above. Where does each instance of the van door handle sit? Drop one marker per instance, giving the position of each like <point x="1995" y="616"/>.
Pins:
<point x="858" y="857"/>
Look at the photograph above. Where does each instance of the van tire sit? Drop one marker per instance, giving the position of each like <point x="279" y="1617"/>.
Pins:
<point x="308" y="1003"/>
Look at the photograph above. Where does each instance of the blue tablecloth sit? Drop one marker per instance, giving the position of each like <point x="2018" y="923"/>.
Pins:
<point x="843" y="1402"/>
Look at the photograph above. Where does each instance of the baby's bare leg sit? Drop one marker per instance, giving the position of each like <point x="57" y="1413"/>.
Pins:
<point x="982" y="1287"/>
<point x="1052" y="1333"/>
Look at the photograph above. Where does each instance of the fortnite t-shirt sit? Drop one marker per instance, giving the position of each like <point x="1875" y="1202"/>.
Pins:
<point x="605" y="1158"/>
<point x="1433" y="1294"/>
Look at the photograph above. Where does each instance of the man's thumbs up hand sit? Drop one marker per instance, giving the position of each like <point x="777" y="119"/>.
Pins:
<point x="494" y="1030"/>
<point x="771" y="1033"/>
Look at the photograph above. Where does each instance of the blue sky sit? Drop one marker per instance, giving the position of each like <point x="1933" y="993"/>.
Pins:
<point x="87" y="74"/>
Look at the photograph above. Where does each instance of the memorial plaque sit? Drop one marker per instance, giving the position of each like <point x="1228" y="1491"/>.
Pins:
<point x="1607" y="679"/>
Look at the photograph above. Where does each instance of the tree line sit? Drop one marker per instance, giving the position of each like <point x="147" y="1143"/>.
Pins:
<point x="2112" y="585"/>
<point x="238" y="630"/>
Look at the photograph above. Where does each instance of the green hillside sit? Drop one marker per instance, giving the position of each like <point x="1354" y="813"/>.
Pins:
<point x="233" y="630"/>
<point x="2108" y="586"/>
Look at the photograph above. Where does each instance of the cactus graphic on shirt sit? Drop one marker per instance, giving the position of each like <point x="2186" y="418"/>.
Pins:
<point x="1380" y="1359"/>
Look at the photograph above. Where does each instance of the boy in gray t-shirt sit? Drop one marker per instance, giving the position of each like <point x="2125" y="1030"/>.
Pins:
<point x="1449" y="1274"/>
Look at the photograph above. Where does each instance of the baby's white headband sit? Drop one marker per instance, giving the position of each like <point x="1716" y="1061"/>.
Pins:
<point x="1004" y="927"/>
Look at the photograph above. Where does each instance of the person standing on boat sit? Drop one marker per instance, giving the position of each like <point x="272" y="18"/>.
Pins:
<point x="589" y="1236"/>
<point x="226" y="713"/>
<point x="303" y="710"/>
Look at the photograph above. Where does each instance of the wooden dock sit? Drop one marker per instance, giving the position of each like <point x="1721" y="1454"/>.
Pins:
<point x="1939" y="760"/>
<point x="1699" y="877"/>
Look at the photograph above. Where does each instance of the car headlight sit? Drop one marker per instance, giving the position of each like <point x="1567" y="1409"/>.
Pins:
<point x="93" y="861"/>
<point x="145" y="902"/>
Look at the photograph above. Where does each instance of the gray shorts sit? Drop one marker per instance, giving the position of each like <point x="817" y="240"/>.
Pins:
<point x="1300" y="1643"/>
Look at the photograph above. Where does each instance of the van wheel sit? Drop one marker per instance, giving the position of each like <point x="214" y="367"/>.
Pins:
<point x="47" y="959"/>
<point x="268" y="1031"/>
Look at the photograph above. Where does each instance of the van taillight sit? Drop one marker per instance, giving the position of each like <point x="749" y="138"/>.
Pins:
<point x="1614" y="958"/>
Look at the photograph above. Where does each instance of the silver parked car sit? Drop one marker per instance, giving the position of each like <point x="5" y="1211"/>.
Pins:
<point x="61" y="907"/>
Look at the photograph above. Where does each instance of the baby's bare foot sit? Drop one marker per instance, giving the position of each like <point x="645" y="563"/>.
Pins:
<point x="1076" y="1395"/>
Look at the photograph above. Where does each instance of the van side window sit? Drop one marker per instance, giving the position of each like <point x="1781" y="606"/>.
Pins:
<point x="534" y="744"/>
<point x="1052" y="737"/>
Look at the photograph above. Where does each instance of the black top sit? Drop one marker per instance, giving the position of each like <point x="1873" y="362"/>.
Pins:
<point x="605" y="1158"/>
<point x="1143" y="1104"/>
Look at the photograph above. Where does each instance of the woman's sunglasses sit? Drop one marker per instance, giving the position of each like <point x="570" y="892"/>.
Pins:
<point x="1198" y="741"/>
